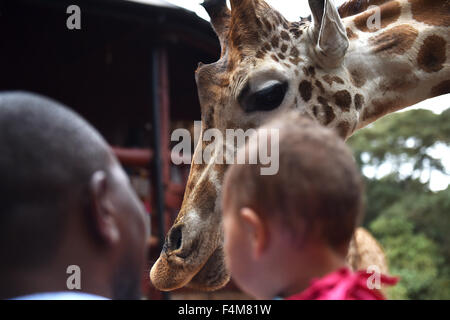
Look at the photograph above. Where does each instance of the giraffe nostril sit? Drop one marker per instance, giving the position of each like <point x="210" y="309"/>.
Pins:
<point x="175" y="238"/>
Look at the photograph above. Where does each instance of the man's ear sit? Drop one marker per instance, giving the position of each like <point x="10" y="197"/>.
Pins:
<point x="328" y="33"/>
<point x="102" y="214"/>
<point x="259" y="235"/>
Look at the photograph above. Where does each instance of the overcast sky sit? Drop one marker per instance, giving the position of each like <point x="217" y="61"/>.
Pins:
<point x="292" y="10"/>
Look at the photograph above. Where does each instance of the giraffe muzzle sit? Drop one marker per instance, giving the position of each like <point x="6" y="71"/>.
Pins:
<point x="189" y="255"/>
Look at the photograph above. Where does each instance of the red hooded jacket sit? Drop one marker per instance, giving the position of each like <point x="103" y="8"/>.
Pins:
<point x="344" y="285"/>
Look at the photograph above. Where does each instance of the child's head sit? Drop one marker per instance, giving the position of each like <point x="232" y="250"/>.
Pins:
<point x="297" y="219"/>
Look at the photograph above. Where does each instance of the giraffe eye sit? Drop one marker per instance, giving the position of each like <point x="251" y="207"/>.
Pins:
<point x="268" y="98"/>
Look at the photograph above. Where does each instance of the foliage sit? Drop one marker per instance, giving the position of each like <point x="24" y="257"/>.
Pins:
<point x="411" y="222"/>
<point x="413" y="255"/>
<point x="404" y="137"/>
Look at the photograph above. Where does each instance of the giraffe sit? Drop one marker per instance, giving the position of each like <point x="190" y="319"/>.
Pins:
<point x="334" y="69"/>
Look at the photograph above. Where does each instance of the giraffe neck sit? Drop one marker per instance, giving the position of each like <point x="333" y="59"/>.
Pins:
<point x="403" y="62"/>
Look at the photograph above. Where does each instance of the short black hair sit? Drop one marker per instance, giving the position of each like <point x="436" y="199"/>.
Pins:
<point x="48" y="154"/>
<point x="318" y="185"/>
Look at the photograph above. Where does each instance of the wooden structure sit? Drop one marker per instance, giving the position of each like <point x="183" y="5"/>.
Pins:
<point x="129" y="71"/>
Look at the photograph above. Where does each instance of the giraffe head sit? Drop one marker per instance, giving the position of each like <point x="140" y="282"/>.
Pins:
<point x="267" y="66"/>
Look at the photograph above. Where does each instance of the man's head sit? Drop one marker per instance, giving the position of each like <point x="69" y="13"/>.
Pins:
<point x="313" y="204"/>
<point x="65" y="200"/>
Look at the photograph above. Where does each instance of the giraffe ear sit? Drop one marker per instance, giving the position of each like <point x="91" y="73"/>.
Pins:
<point x="220" y="19"/>
<point x="329" y="33"/>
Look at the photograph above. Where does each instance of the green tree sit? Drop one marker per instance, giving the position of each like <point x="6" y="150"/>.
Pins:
<point x="410" y="221"/>
<point x="402" y="137"/>
<point x="413" y="256"/>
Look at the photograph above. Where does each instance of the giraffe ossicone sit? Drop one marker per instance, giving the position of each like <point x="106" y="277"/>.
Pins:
<point x="336" y="69"/>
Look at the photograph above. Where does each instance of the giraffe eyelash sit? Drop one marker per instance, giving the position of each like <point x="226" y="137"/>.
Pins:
<point x="268" y="98"/>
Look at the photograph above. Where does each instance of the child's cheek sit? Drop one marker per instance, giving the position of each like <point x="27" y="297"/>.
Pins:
<point x="231" y="244"/>
<point x="227" y="235"/>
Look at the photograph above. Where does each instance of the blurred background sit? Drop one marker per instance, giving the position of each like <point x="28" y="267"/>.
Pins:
<point x="130" y="72"/>
<point x="404" y="158"/>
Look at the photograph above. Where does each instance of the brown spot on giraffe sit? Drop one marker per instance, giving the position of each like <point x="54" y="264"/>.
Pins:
<point x="285" y="36"/>
<point x="359" y="101"/>
<point x="441" y="89"/>
<point x="294" y="52"/>
<point x="305" y="89"/>
<point x="432" y="54"/>
<point x="329" y="114"/>
<point x="281" y="56"/>
<point x="432" y="12"/>
<point x="284" y="48"/>
<point x="274" y="57"/>
<point x="295" y="61"/>
<point x="331" y="79"/>
<point x="275" y="42"/>
<point x="316" y="111"/>
<point x="390" y="12"/>
<point x="357" y="77"/>
<point x="343" y="128"/>
<point x="260" y="55"/>
<point x="267" y="47"/>
<point x="309" y="71"/>
<point x="402" y="79"/>
<point x="322" y="100"/>
<point x="351" y="35"/>
<point x="351" y="8"/>
<point x="328" y="111"/>
<point x="396" y="40"/>
<point x="379" y="108"/>
<point x="343" y="100"/>
<point x="320" y="86"/>
<point x="296" y="32"/>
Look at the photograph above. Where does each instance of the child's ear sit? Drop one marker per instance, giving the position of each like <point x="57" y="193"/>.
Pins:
<point x="258" y="232"/>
